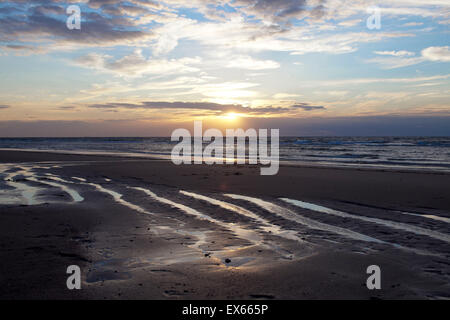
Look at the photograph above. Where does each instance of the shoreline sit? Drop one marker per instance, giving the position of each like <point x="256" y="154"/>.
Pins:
<point x="285" y="163"/>
<point x="407" y="189"/>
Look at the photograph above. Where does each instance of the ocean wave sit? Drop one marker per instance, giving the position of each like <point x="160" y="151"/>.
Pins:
<point x="430" y="152"/>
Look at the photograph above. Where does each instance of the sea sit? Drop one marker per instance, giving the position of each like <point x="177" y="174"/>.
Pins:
<point x="407" y="153"/>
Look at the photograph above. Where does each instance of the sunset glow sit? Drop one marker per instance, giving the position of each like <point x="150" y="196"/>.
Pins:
<point x="136" y="68"/>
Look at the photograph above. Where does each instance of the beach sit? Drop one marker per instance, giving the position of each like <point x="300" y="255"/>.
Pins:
<point x="148" y="229"/>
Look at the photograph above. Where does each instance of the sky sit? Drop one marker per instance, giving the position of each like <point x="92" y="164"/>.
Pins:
<point x="145" y="68"/>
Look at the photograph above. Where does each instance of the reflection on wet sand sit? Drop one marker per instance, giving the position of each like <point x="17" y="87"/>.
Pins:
<point x="266" y="226"/>
<point x="24" y="193"/>
<point x="387" y="223"/>
<point x="289" y="215"/>
<point x="241" y="232"/>
<point x="28" y="184"/>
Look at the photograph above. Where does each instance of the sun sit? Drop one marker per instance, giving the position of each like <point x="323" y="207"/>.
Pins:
<point x="230" y="116"/>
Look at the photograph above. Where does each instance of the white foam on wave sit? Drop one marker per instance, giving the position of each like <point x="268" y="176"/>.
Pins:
<point x="387" y="223"/>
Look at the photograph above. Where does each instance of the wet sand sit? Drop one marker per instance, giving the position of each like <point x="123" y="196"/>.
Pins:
<point x="148" y="229"/>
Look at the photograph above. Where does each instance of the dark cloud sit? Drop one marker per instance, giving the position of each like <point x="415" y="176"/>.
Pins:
<point x="110" y="3"/>
<point x="147" y="3"/>
<point x="280" y="10"/>
<point x="49" y="9"/>
<point x="206" y="106"/>
<point x="9" y="10"/>
<point x="66" y="108"/>
<point x="98" y="3"/>
<point x="22" y="48"/>
<point x="46" y="21"/>
<point x="124" y="10"/>
<point x="3" y="106"/>
<point x="307" y="107"/>
<point x="116" y="22"/>
<point x="172" y="105"/>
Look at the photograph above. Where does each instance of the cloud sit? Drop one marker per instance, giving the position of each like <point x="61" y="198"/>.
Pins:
<point x="170" y="50"/>
<point x="171" y="105"/>
<point x="136" y="64"/>
<point x="210" y="106"/>
<point x="124" y="10"/>
<point x="397" y="59"/>
<point x="22" y="49"/>
<point x="441" y="54"/>
<point x="341" y="9"/>
<point x="249" y="63"/>
<point x="4" y="106"/>
<point x="413" y="24"/>
<point x="307" y="107"/>
<point x="401" y="53"/>
<point x="66" y="108"/>
<point x="279" y="11"/>
<point x="110" y="23"/>
<point x="363" y="81"/>
<point x="253" y="24"/>
<point x="350" y="23"/>
<point x="396" y="62"/>
<point x="436" y="54"/>
<point x="44" y="22"/>
<point x="332" y="93"/>
<point x="240" y="35"/>
<point x="283" y="95"/>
